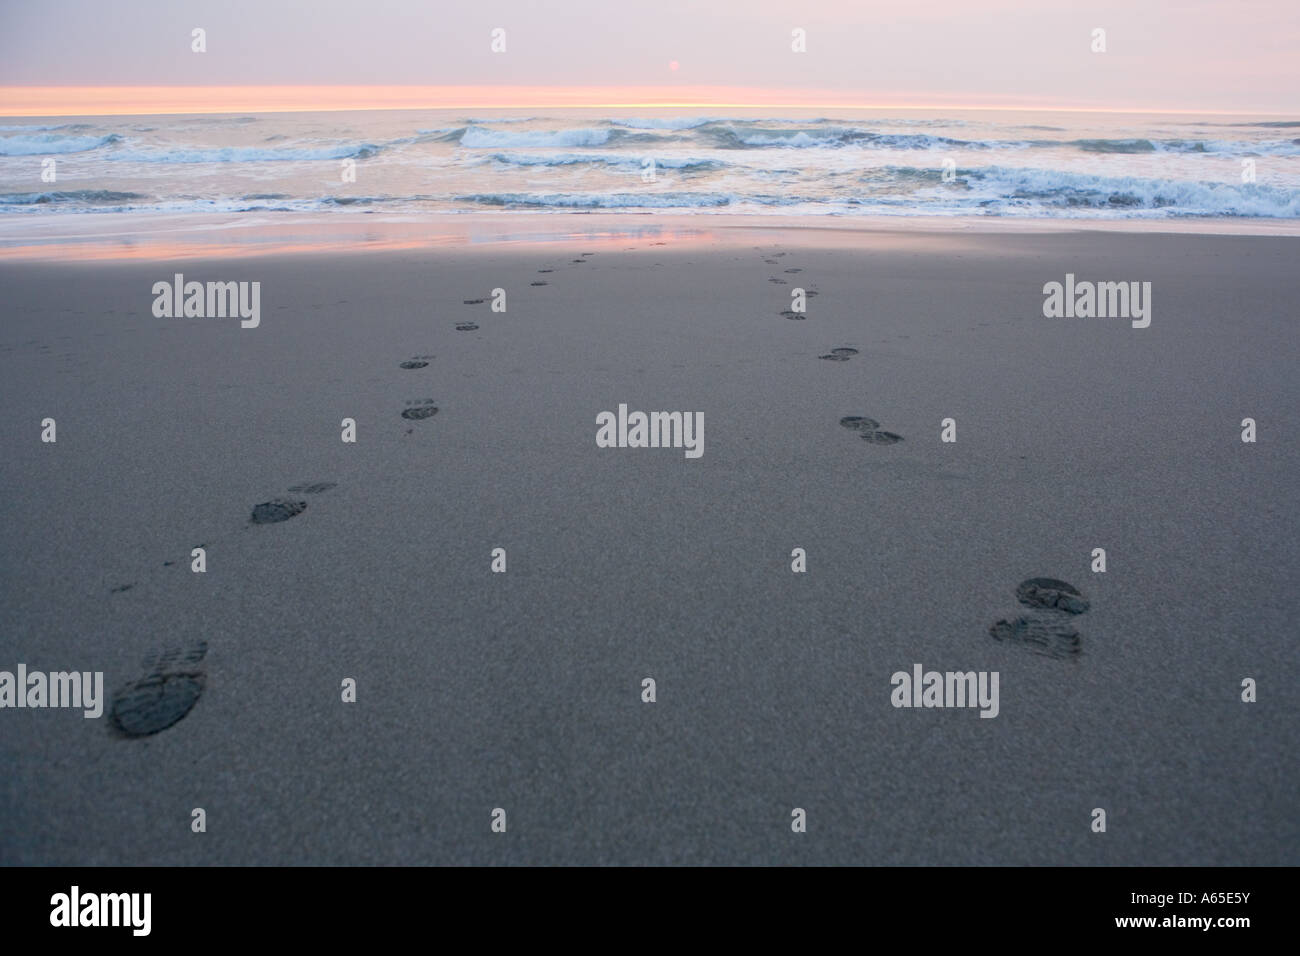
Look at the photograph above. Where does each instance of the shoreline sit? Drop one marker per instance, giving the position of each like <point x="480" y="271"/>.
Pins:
<point x="74" y="237"/>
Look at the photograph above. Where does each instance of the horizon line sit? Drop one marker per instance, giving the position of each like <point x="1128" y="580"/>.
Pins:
<point x="56" y="101"/>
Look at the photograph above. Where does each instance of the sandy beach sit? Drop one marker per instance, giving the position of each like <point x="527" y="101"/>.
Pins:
<point x="523" y="690"/>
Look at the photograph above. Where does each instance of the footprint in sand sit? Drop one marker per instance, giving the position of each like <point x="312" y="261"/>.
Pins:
<point x="413" y="363"/>
<point x="1047" y="629"/>
<point x="1051" y="594"/>
<point x="172" y="684"/>
<point x="282" y="509"/>
<point x="857" y="423"/>
<point x="277" y="510"/>
<point x="544" y="271"/>
<point x="473" y="301"/>
<point x="419" y="408"/>
<point x="466" y="327"/>
<point x="882" y="438"/>
<point x="273" y="511"/>
<point x="793" y="316"/>
<point x="839" y="355"/>
<point x="868" y="430"/>
<point x="313" y="487"/>
<point x="770" y="262"/>
<point x="778" y="281"/>
<point x="537" y="283"/>
<point x="794" y="270"/>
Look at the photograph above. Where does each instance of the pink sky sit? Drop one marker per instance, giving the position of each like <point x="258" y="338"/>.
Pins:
<point x="1177" y="55"/>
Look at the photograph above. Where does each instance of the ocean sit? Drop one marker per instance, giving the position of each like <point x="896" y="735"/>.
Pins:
<point x="1040" y="165"/>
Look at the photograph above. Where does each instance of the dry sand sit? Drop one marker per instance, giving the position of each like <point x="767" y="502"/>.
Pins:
<point x="522" y="690"/>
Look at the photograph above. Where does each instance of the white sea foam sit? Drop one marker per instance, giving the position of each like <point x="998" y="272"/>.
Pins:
<point x="477" y="136"/>
<point x="866" y="164"/>
<point x="48" y="144"/>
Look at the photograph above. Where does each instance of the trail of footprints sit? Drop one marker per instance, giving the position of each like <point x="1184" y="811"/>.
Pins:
<point x="868" y="429"/>
<point x="174" y="677"/>
<point x="1047" y="628"/>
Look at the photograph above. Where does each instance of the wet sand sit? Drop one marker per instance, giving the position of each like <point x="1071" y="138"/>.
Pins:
<point x="522" y="690"/>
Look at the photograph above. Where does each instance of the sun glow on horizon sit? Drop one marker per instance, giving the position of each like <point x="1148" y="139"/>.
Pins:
<point x="53" y="101"/>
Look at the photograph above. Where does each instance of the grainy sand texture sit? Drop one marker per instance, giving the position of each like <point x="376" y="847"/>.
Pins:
<point x="476" y="430"/>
